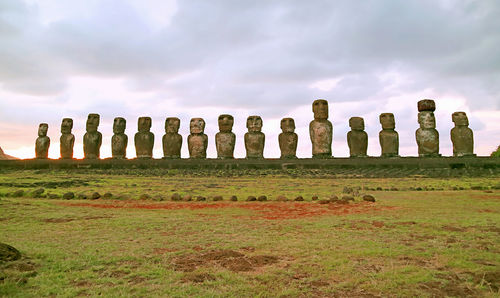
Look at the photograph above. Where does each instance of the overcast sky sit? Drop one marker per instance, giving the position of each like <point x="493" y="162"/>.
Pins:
<point x="164" y="58"/>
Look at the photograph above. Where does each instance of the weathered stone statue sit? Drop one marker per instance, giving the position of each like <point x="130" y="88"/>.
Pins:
<point x="461" y="135"/>
<point x="321" y="130"/>
<point x="197" y="140"/>
<point x="225" y="139"/>
<point x="119" y="140"/>
<point x="388" y="137"/>
<point x="67" y="139"/>
<point x="42" y="143"/>
<point x="144" y="140"/>
<point x="427" y="136"/>
<point x="288" y="139"/>
<point x="254" y="138"/>
<point x="357" y="138"/>
<point x="92" y="139"/>
<point x="172" y="140"/>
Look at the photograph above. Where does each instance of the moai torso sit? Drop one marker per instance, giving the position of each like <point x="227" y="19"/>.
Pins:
<point x="42" y="143"/>
<point x="288" y="139"/>
<point x="427" y="136"/>
<point x="144" y="140"/>
<point x="67" y="139"/>
<point x="225" y="139"/>
<point x="119" y="140"/>
<point x="92" y="139"/>
<point x="321" y="130"/>
<point x="388" y="137"/>
<point x="172" y="140"/>
<point x="462" y="136"/>
<point x="357" y="138"/>
<point x="197" y="140"/>
<point x="254" y="138"/>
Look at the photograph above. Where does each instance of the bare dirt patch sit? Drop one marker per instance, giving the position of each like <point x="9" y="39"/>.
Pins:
<point x="198" y="278"/>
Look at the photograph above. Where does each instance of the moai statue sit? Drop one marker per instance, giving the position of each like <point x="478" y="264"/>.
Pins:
<point x="388" y="137"/>
<point x="92" y="139"/>
<point x="357" y="138"/>
<point x="461" y="135"/>
<point x="67" y="139"/>
<point x="119" y="140"/>
<point x="254" y="138"/>
<point x="42" y="143"/>
<point x="144" y="140"/>
<point x="197" y="140"/>
<point x="321" y="130"/>
<point x="427" y="136"/>
<point x="225" y="139"/>
<point x="172" y="140"/>
<point x="288" y="139"/>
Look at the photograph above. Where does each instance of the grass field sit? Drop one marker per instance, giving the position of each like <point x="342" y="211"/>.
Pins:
<point x="422" y="237"/>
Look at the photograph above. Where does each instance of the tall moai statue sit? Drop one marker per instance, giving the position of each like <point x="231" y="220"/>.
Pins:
<point x="172" y="140"/>
<point x="254" y="138"/>
<point x="388" y="137"/>
<point x="119" y="140"/>
<point x="67" y="139"/>
<point x="288" y="139"/>
<point x="225" y="139"/>
<point x="427" y="136"/>
<point x="92" y="139"/>
<point x="461" y="135"/>
<point x="321" y="130"/>
<point x="144" y="139"/>
<point x="357" y="138"/>
<point x="42" y="143"/>
<point x="197" y="140"/>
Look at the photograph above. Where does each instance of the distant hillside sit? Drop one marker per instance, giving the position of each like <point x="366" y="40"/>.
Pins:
<point x="5" y="156"/>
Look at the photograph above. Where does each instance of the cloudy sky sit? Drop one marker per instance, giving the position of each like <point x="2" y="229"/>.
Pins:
<point x="199" y="58"/>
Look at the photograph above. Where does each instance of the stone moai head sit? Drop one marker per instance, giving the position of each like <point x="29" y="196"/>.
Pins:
<point x="225" y="123"/>
<point x="287" y="125"/>
<point x="320" y="109"/>
<point x="387" y="121"/>
<point x="426" y="105"/>
<point x="460" y="119"/>
<point x="144" y="124"/>
<point x="66" y="125"/>
<point x="357" y="123"/>
<point x="42" y="129"/>
<point x="426" y="120"/>
<point x="92" y="122"/>
<point x="254" y="123"/>
<point x="172" y="125"/>
<point x="197" y="126"/>
<point x="119" y="125"/>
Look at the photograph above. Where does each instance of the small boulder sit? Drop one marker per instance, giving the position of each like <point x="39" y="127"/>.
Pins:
<point x="37" y="193"/>
<point x="69" y="195"/>
<point x="299" y="199"/>
<point x="8" y="253"/>
<point x="187" y="198"/>
<point x="95" y="195"/>
<point x="176" y="197"/>
<point x="82" y="196"/>
<point x="217" y="198"/>
<point x="314" y="198"/>
<point x="18" y="193"/>
<point x="368" y="198"/>
<point x="281" y="199"/>
<point x="201" y="198"/>
<point x="107" y="196"/>
<point x="234" y="198"/>
<point x="262" y="198"/>
<point x="347" y="198"/>
<point x="251" y="198"/>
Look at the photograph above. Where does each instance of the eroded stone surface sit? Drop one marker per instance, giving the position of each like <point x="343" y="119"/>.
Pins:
<point x="427" y="136"/>
<point x="67" y="139"/>
<point x="144" y="139"/>
<point x="288" y="138"/>
<point x="388" y="137"/>
<point x="254" y="138"/>
<point x="42" y="143"/>
<point x="357" y="138"/>
<point x="461" y="135"/>
<point x="197" y="140"/>
<point x="92" y="139"/>
<point x="172" y="140"/>
<point x="119" y="140"/>
<point x="225" y="139"/>
<point x="321" y="130"/>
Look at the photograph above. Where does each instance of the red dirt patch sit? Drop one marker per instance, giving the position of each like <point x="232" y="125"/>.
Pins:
<point x="270" y="210"/>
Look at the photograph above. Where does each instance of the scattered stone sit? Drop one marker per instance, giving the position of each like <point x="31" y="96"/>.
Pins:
<point x="299" y="199"/>
<point x="217" y="198"/>
<point x="262" y="198"/>
<point x="107" y="196"/>
<point x="347" y="198"/>
<point x="334" y="198"/>
<point x="18" y="193"/>
<point x="201" y="198"/>
<point x="251" y="198"/>
<point x="37" y="193"/>
<point x="145" y="196"/>
<point x="187" y="198"/>
<point x="8" y="253"/>
<point x="234" y="198"/>
<point x="368" y="198"/>
<point x="176" y="197"/>
<point x="69" y="195"/>
<point x="281" y="199"/>
<point x="394" y="188"/>
<point x="82" y="196"/>
<point x="314" y="198"/>
<point x="95" y="195"/>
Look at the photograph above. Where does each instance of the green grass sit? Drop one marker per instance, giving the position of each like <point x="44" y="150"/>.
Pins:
<point x="440" y="242"/>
